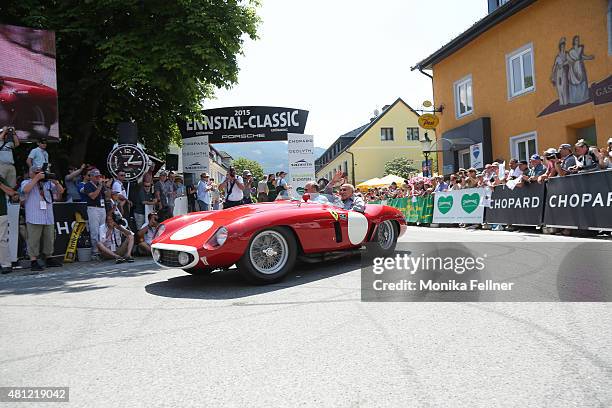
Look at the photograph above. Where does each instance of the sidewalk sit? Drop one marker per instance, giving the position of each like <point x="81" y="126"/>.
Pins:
<point x="82" y="268"/>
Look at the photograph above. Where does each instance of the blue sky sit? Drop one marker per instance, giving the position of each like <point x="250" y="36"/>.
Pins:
<point x="343" y="59"/>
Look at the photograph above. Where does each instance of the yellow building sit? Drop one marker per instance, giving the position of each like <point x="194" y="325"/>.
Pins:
<point x="528" y="76"/>
<point x="363" y="152"/>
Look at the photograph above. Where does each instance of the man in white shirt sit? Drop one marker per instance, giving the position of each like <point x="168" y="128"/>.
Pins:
<point x="515" y="171"/>
<point x="232" y="185"/>
<point x="118" y="191"/>
<point x="110" y="242"/>
<point x="39" y="155"/>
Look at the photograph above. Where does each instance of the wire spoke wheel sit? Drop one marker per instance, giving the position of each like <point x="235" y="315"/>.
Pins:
<point x="386" y="235"/>
<point x="269" y="252"/>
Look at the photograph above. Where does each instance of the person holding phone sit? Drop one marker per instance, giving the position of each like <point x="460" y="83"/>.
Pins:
<point x="232" y="185"/>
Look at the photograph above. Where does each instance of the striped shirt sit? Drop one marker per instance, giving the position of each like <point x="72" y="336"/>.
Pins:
<point x="33" y="203"/>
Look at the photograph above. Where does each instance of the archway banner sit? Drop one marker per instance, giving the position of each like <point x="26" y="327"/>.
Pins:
<point x="245" y="124"/>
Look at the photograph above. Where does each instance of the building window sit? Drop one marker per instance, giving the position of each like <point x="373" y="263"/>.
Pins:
<point x="464" y="159"/>
<point x="524" y="146"/>
<point x="464" y="102"/>
<point x="501" y="2"/>
<point x="519" y="68"/>
<point x="386" y="133"/>
<point x="412" y="133"/>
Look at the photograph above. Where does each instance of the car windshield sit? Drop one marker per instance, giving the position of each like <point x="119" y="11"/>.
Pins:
<point x="318" y="198"/>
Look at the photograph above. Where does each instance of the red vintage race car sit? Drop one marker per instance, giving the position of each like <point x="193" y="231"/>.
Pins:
<point x="264" y="240"/>
<point x="28" y="106"/>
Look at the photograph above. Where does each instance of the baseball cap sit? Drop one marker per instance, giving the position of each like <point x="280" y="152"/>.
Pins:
<point x="536" y="157"/>
<point x="565" y="146"/>
<point x="94" y="172"/>
<point x="550" y="151"/>
<point x="246" y="173"/>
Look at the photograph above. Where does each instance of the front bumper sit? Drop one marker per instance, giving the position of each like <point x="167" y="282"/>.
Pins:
<point x="166" y="255"/>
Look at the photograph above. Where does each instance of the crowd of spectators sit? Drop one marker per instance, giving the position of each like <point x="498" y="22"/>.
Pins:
<point x="562" y="161"/>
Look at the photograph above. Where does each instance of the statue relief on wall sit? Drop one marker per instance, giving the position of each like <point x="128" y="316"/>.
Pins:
<point x="569" y="74"/>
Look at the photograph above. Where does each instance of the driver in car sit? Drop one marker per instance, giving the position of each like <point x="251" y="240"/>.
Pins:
<point x="350" y="201"/>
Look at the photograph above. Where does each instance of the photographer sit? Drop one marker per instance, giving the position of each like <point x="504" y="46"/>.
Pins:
<point x="203" y="192"/>
<point x="38" y="192"/>
<point x="5" y="190"/>
<point x="110" y="244"/>
<point x="73" y="180"/>
<point x="247" y="176"/>
<point x="95" y="191"/>
<point x="232" y="185"/>
<point x="39" y="155"/>
<point x="586" y="159"/>
<point x="566" y="160"/>
<point x="551" y="158"/>
<point x="8" y="141"/>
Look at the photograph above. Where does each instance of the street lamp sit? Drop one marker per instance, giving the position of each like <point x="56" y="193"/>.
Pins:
<point x="426" y="145"/>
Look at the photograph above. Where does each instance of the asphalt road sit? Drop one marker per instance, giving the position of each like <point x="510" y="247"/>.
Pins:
<point x="140" y="336"/>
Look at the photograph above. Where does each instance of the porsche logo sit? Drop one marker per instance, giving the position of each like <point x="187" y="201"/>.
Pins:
<point x="334" y="214"/>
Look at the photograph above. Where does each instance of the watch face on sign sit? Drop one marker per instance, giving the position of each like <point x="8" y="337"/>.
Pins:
<point x="128" y="158"/>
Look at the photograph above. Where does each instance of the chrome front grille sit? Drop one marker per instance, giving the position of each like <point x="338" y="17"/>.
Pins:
<point x="170" y="258"/>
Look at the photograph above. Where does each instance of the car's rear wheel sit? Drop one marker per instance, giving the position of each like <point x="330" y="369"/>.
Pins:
<point x="270" y="255"/>
<point x="385" y="238"/>
<point x="199" y="271"/>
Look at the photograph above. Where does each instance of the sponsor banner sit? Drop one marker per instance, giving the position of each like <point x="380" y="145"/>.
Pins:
<point x="460" y="206"/>
<point x="582" y="201"/>
<point x="65" y="221"/>
<point x="196" y="158"/>
<point x="602" y="91"/>
<point x="417" y="210"/>
<point x="519" y="206"/>
<point x="488" y="272"/>
<point x="12" y="211"/>
<point x="28" y="84"/>
<point x="246" y="124"/>
<point x="300" y="152"/>
<point x="476" y="156"/>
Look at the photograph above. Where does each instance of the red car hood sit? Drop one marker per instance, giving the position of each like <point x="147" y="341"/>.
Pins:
<point x="217" y="218"/>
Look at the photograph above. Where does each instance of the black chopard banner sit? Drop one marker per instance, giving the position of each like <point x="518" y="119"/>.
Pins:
<point x="245" y="124"/>
<point x="65" y="217"/>
<point x="521" y="206"/>
<point x="583" y="201"/>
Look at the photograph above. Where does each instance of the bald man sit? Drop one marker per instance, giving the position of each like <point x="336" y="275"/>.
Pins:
<point x="347" y="194"/>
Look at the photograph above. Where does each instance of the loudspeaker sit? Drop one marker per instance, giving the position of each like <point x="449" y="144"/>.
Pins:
<point x="128" y="133"/>
<point x="172" y="162"/>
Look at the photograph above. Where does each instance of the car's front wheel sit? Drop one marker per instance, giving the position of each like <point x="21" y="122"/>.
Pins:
<point x="270" y="255"/>
<point x="385" y="238"/>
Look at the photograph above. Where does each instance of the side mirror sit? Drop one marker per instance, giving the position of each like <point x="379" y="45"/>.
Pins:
<point x="306" y="197"/>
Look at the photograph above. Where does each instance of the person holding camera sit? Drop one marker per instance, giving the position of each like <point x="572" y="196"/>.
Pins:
<point x="39" y="155"/>
<point x="5" y="190"/>
<point x="72" y="180"/>
<point x="566" y="160"/>
<point x="8" y="141"/>
<point x="95" y="190"/>
<point x="233" y="186"/>
<point x="247" y="176"/>
<point x="40" y="223"/>
<point x="110" y="243"/>
<point x="551" y="156"/>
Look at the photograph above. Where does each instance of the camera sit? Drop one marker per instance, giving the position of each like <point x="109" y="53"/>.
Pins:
<point x="119" y="220"/>
<point x="10" y="131"/>
<point x="48" y="175"/>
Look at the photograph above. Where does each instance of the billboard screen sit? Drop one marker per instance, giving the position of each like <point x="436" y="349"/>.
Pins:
<point x="28" y="85"/>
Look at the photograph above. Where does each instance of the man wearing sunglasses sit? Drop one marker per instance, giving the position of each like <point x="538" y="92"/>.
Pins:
<point x="39" y="155"/>
<point x="347" y="194"/>
<point x="146" y="234"/>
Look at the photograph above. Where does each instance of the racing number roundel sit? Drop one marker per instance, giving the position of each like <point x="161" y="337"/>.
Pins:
<point x="130" y="159"/>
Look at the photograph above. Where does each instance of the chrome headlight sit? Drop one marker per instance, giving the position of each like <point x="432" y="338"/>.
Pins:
<point x="221" y="236"/>
<point x="156" y="254"/>
<point x="183" y="258"/>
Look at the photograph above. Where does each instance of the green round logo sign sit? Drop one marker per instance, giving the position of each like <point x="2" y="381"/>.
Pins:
<point x="300" y="190"/>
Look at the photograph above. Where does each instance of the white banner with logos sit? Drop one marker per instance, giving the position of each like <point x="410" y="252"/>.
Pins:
<point x="300" y="151"/>
<point x="196" y="157"/>
<point x="476" y="160"/>
<point x="459" y="206"/>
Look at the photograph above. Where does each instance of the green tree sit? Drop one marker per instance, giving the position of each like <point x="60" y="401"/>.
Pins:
<point x="150" y="61"/>
<point x="242" y="163"/>
<point x="400" y="166"/>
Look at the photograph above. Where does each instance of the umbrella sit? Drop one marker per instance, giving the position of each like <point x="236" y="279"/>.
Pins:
<point x="375" y="182"/>
<point x="387" y="180"/>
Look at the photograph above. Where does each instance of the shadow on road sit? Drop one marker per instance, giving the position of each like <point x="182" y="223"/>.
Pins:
<point x="230" y="285"/>
<point x="72" y="278"/>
